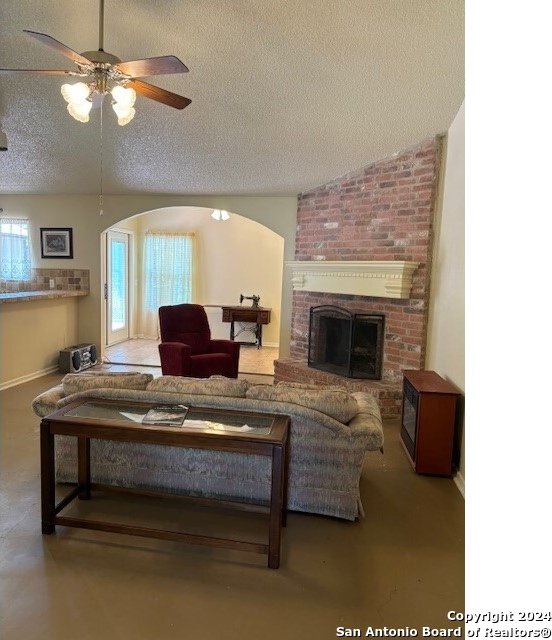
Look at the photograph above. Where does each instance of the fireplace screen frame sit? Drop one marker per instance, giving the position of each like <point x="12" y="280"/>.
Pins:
<point x="350" y="366"/>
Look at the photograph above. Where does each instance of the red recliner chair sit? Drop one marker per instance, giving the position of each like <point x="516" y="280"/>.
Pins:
<point x="186" y="347"/>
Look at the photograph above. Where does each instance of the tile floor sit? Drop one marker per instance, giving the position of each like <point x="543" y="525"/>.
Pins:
<point x="140" y="351"/>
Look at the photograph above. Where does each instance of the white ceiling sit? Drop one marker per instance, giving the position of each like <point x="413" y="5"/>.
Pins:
<point x="286" y="94"/>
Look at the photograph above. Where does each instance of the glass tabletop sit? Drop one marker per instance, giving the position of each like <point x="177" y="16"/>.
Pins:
<point x="195" y="418"/>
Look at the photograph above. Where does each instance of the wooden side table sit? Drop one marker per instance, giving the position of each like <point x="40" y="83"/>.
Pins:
<point x="257" y="315"/>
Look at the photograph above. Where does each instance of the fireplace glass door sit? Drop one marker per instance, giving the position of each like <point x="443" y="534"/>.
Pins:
<point x="346" y="343"/>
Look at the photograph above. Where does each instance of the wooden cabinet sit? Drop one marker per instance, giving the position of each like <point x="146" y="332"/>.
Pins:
<point x="428" y="422"/>
<point x="257" y="315"/>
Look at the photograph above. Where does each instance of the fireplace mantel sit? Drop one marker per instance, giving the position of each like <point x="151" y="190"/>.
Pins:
<point x="382" y="279"/>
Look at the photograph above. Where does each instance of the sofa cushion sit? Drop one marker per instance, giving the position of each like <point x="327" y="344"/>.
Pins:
<point x="76" y="382"/>
<point x="336" y="403"/>
<point x="203" y="365"/>
<point x="213" y="386"/>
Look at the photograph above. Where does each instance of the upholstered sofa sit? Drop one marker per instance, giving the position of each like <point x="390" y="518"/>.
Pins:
<point x="331" y="431"/>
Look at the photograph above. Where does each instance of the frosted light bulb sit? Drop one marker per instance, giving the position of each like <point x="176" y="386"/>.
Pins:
<point x="126" y="97"/>
<point x="124" y="113"/>
<point x="220" y="214"/>
<point x="80" y="110"/>
<point x="126" y="118"/>
<point x="75" y="92"/>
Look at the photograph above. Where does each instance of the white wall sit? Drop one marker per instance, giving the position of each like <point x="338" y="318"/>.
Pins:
<point x="32" y="335"/>
<point x="236" y="256"/>
<point x="445" y="347"/>
<point x="82" y="214"/>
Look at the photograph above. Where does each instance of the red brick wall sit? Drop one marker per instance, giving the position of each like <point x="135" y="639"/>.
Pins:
<point x="382" y="212"/>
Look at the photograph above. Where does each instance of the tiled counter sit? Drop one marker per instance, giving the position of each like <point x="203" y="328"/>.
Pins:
<point x="47" y="294"/>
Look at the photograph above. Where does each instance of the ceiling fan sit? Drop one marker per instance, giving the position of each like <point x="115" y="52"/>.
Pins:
<point x="104" y="73"/>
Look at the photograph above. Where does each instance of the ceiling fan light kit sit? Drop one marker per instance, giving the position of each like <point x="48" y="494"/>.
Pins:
<point x="220" y="215"/>
<point x="82" y="97"/>
<point x="104" y="73"/>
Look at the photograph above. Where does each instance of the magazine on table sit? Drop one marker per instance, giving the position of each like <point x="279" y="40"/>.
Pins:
<point x="169" y="415"/>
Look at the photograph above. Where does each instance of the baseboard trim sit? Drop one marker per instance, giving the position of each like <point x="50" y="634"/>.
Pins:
<point x="14" y="382"/>
<point x="459" y="482"/>
<point x="253" y="345"/>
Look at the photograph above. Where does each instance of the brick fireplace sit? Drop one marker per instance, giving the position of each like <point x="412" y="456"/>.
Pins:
<point x="381" y="213"/>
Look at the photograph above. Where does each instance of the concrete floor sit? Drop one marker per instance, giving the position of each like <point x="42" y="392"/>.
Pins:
<point x="403" y="565"/>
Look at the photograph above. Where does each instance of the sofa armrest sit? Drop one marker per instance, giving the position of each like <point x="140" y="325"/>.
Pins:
<point x="225" y="346"/>
<point x="366" y="426"/>
<point x="46" y="402"/>
<point x="175" y="358"/>
<point x="231" y="348"/>
<point x="367" y="423"/>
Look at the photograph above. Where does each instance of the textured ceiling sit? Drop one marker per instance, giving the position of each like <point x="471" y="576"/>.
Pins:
<point x="286" y="94"/>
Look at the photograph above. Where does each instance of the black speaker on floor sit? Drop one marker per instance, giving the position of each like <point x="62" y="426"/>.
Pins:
<point x="77" y="358"/>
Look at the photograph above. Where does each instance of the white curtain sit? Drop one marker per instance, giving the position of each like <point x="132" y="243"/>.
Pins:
<point x="167" y="276"/>
<point x="15" y="251"/>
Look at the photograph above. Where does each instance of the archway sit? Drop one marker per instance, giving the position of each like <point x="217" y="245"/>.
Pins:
<point x="235" y="257"/>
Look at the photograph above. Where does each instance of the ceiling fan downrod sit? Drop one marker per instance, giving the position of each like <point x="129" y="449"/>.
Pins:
<point x="101" y="27"/>
<point x="102" y="61"/>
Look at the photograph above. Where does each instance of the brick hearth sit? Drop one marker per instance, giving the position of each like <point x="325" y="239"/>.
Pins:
<point x="382" y="212"/>
<point x="388" y="394"/>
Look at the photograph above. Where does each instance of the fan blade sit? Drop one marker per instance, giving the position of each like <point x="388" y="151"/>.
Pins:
<point x="156" y="93"/>
<point x="59" y="47"/>
<point x="152" y="66"/>
<point x="41" y="72"/>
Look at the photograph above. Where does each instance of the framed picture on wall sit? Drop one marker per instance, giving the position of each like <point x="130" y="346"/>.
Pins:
<point x="56" y="243"/>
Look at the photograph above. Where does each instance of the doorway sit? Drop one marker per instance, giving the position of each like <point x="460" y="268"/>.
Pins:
<point x="117" y="287"/>
<point x="234" y="257"/>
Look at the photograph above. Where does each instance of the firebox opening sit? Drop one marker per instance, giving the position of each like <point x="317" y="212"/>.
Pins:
<point x="338" y="337"/>
<point x="345" y="343"/>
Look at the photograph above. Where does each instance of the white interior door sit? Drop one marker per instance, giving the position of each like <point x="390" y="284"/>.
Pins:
<point x="117" y="287"/>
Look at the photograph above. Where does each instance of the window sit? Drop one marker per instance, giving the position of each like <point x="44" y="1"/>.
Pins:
<point x="15" y="250"/>
<point x="167" y="269"/>
<point x="167" y="276"/>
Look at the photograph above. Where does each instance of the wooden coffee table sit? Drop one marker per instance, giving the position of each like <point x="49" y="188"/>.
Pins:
<point x="266" y="435"/>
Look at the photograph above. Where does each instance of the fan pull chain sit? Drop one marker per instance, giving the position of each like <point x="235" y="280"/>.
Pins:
<point x="101" y="158"/>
